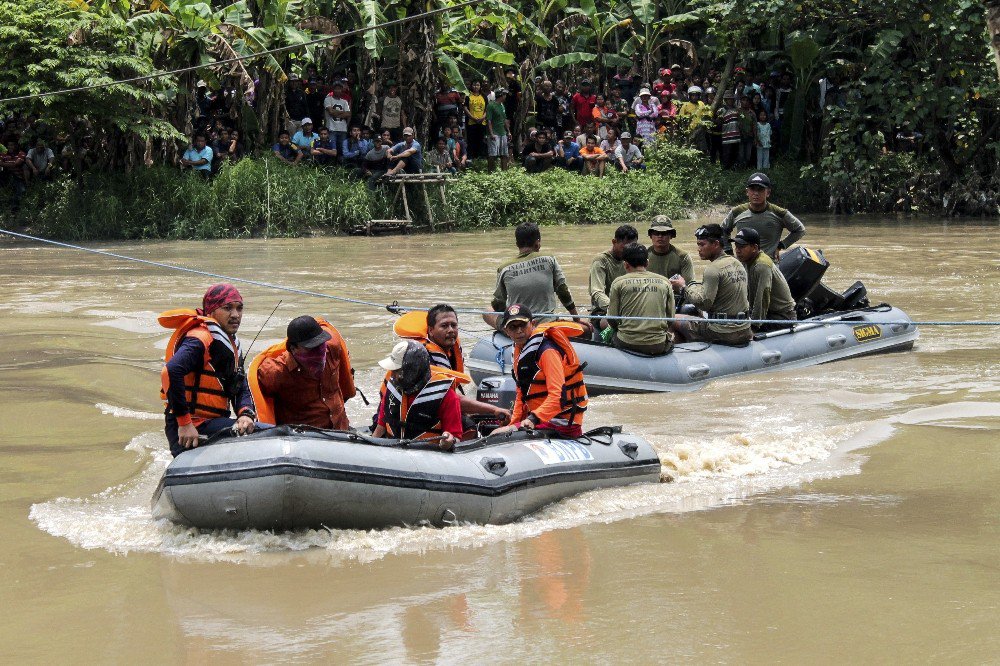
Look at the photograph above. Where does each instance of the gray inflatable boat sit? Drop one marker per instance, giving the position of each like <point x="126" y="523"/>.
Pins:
<point x="292" y="477"/>
<point x="809" y="342"/>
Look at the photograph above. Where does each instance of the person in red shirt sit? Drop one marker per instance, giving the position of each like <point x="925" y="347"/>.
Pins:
<point x="418" y="403"/>
<point x="583" y="104"/>
<point x="307" y="382"/>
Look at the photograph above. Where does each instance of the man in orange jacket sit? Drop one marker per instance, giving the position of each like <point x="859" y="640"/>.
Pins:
<point x="550" y="389"/>
<point x="310" y="379"/>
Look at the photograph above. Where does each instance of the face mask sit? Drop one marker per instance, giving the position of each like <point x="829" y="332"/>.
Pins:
<point x="313" y="360"/>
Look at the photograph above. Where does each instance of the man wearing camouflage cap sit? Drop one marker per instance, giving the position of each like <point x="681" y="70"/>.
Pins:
<point x="665" y="258"/>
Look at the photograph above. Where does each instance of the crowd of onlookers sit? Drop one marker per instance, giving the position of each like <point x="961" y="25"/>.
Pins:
<point x="597" y="125"/>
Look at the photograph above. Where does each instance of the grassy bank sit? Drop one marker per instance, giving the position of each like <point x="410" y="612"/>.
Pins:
<point x="262" y="197"/>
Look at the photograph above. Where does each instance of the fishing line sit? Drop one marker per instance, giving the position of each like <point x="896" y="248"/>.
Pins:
<point x="397" y="308"/>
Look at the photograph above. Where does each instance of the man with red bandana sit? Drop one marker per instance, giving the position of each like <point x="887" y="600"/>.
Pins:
<point x="203" y="374"/>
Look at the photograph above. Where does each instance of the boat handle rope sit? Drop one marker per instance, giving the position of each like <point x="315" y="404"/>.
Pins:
<point x="396" y="308"/>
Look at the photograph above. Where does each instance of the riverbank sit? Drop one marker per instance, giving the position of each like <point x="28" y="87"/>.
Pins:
<point x="267" y="198"/>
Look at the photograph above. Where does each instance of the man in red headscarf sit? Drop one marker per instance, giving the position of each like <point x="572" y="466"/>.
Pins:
<point x="203" y="373"/>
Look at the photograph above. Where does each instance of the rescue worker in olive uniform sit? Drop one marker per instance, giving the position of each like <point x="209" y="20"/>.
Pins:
<point x="767" y="289"/>
<point x="641" y="293"/>
<point x="722" y="294"/>
<point x="419" y="401"/>
<point x="767" y="219"/>
<point x="550" y="389"/>
<point x="665" y="258"/>
<point x="203" y="372"/>
<point x="608" y="266"/>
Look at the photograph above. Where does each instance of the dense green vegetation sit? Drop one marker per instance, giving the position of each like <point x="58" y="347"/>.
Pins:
<point x="928" y="63"/>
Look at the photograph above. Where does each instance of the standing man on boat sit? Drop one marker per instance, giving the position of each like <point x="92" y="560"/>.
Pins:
<point x="665" y="258"/>
<point x="550" y="389"/>
<point x="306" y="379"/>
<point x="607" y="267"/>
<point x="767" y="289"/>
<point x="766" y="218"/>
<point x="532" y="279"/>
<point x="419" y="402"/>
<point x="641" y="293"/>
<point x="722" y="294"/>
<point x="203" y="371"/>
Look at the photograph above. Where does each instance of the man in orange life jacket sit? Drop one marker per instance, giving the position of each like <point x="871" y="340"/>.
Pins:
<point x="308" y="381"/>
<point x="550" y="389"/>
<point x="418" y="403"/>
<point x="438" y="333"/>
<point x="204" y="374"/>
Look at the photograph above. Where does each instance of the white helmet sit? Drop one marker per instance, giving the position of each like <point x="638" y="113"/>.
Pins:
<point x="695" y="90"/>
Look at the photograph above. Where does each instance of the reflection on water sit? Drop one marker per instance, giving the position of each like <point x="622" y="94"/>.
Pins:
<point x="767" y="545"/>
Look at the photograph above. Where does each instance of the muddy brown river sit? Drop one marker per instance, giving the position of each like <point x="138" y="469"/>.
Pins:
<point x="840" y="513"/>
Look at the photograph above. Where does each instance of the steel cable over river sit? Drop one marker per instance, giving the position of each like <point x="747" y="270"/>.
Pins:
<point x="397" y="308"/>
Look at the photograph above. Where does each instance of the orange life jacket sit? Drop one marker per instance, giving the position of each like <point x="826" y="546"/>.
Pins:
<point x="413" y="326"/>
<point x="264" y="404"/>
<point x="417" y="416"/>
<point x="205" y="394"/>
<point x="531" y="381"/>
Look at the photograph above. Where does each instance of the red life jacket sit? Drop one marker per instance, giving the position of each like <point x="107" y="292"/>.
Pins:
<point x="531" y="380"/>
<point x="204" y="389"/>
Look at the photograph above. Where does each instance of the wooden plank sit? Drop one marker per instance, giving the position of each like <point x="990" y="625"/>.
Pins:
<point x="427" y="202"/>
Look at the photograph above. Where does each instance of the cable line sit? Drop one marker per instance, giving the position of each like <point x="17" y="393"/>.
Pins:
<point x="397" y="308"/>
<point x="226" y="61"/>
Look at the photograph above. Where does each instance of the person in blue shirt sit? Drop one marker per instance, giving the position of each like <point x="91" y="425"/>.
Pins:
<point x="305" y="138"/>
<point x="406" y="155"/>
<point x="198" y="156"/>
<point x="351" y="149"/>
<point x="285" y="151"/>
<point x="324" y="151"/>
<point x="568" y="152"/>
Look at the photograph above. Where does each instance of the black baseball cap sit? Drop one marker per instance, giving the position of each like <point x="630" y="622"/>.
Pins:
<point x="759" y="180"/>
<point x="306" y="332"/>
<point x="515" y="312"/>
<point x="709" y="232"/>
<point x="747" y="236"/>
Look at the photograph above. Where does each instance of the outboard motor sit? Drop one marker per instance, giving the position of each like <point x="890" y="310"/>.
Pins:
<point x="500" y="391"/>
<point x="803" y="269"/>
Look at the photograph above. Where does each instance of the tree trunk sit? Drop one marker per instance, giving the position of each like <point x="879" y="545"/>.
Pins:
<point x="417" y="80"/>
<point x="727" y="73"/>
<point x="993" y="24"/>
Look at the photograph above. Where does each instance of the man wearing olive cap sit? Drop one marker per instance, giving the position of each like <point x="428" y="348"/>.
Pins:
<point x="766" y="218"/>
<point x="665" y="258"/>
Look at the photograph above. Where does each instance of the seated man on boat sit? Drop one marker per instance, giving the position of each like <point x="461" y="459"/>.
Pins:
<point x="665" y="258"/>
<point x="766" y="218"/>
<point x="640" y="293"/>
<point x="767" y="289"/>
<point x="419" y="402"/>
<point x="550" y="389"/>
<point x="722" y="294"/>
<point x="203" y="370"/>
<point x="608" y="266"/>
<point x="437" y="331"/>
<point x="305" y="379"/>
<point x="532" y="279"/>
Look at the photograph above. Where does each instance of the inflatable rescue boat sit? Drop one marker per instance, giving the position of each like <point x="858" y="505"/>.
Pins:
<point x="295" y="477"/>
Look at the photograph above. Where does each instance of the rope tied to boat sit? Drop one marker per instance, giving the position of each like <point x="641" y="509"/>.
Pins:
<point x="396" y="308"/>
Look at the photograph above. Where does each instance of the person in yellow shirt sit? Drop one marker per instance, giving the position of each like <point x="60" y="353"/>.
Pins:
<point x="697" y="113"/>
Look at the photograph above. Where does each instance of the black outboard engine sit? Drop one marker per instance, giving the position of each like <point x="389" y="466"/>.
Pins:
<point x="803" y="269"/>
<point x="499" y="391"/>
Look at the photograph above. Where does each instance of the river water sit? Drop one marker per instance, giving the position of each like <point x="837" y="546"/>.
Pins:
<point x="848" y="512"/>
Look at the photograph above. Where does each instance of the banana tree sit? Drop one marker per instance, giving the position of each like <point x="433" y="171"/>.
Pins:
<point x="650" y="33"/>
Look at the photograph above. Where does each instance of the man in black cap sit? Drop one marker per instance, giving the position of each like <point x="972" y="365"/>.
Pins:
<point x="766" y="218"/>
<point x="722" y="294"/>
<point x="309" y="379"/>
<point x="665" y="258"/>
<point x="767" y="290"/>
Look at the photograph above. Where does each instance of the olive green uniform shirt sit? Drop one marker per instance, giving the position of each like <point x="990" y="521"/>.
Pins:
<point x="603" y="271"/>
<point x="723" y="289"/>
<point x="534" y="280"/>
<point x="641" y="294"/>
<point x="769" y="223"/>
<point x="767" y="291"/>
<point x="674" y="262"/>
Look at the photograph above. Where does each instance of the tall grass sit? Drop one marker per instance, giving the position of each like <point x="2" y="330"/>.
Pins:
<point x="264" y="197"/>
